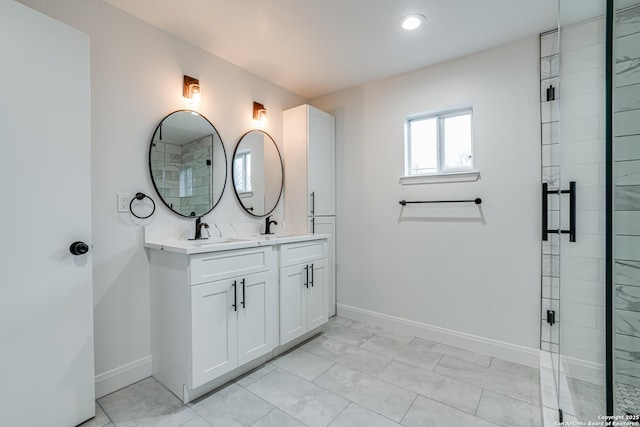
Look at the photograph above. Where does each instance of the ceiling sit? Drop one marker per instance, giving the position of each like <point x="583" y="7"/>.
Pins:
<point x="317" y="47"/>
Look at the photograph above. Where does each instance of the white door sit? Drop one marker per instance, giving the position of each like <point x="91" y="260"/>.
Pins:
<point x="293" y="303"/>
<point x="214" y="330"/>
<point x="46" y="307"/>
<point x="321" y="163"/>
<point x="317" y="296"/>
<point x="255" y="316"/>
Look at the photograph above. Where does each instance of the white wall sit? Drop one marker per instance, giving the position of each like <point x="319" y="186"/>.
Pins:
<point x="474" y="277"/>
<point x="479" y="274"/>
<point x="136" y="79"/>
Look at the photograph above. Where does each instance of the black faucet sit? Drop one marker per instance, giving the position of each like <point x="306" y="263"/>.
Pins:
<point x="267" y="225"/>
<point x="199" y="225"/>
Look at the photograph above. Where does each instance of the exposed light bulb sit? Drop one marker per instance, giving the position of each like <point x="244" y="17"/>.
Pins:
<point x="259" y="114"/>
<point x="262" y="117"/>
<point x="194" y="94"/>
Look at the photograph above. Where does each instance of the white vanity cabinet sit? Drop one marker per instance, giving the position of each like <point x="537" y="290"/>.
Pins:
<point x="211" y="313"/>
<point x="231" y="321"/>
<point x="221" y="308"/>
<point x="304" y="274"/>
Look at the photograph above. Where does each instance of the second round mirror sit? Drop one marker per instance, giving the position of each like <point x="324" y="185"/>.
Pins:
<point x="258" y="173"/>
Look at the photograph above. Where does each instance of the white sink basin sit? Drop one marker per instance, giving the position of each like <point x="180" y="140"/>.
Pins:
<point x="273" y="236"/>
<point x="213" y="241"/>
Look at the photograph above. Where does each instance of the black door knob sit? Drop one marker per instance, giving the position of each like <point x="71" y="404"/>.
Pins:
<point x="79" y="248"/>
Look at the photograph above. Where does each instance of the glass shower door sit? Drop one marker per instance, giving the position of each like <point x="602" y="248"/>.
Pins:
<point x="580" y="154"/>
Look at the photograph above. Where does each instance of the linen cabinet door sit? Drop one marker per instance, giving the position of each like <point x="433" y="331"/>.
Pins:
<point x="214" y="339"/>
<point x="255" y="316"/>
<point x="327" y="225"/>
<point x="293" y="302"/>
<point x="321" y="163"/>
<point x="318" y="295"/>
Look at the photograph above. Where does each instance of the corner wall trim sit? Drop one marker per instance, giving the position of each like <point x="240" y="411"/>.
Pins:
<point x="122" y="376"/>
<point x="490" y="347"/>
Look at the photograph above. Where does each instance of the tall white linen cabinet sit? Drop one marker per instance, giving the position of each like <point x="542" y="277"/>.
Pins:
<point x="309" y="149"/>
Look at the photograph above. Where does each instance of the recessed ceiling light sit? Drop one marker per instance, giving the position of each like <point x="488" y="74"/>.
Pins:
<point x="411" y="22"/>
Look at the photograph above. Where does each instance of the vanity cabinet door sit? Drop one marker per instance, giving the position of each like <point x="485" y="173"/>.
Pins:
<point x="303" y="298"/>
<point x="293" y="303"/>
<point x="317" y="294"/>
<point x="255" y="316"/>
<point x="214" y="337"/>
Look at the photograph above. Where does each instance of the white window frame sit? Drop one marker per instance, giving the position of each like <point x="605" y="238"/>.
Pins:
<point x="246" y="191"/>
<point x="441" y="175"/>
<point x="186" y="182"/>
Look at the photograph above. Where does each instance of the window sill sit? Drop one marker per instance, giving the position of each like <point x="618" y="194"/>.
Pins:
<point x="467" y="176"/>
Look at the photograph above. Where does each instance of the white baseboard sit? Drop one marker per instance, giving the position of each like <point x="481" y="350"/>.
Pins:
<point x="122" y="376"/>
<point x="583" y="370"/>
<point x="490" y="347"/>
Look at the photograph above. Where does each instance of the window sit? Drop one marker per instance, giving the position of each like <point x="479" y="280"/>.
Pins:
<point x="242" y="171"/>
<point x="186" y="182"/>
<point x="438" y="143"/>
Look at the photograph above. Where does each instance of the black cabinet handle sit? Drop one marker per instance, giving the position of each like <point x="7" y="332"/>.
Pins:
<point x="235" y="297"/>
<point x="306" y="274"/>
<point x="311" y="268"/>
<point x="313" y="226"/>
<point x="313" y="202"/>
<point x="243" y="296"/>
<point x="572" y="211"/>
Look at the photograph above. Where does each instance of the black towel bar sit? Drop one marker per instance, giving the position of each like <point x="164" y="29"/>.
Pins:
<point x="477" y="201"/>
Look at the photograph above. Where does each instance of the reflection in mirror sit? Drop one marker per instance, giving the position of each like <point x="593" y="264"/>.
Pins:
<point x="188" y="163"/>
<point x="257" y="173"/>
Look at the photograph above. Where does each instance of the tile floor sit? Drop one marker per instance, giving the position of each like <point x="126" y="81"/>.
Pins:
<point x="352" y="375"/>
<point x="627" y="398"/>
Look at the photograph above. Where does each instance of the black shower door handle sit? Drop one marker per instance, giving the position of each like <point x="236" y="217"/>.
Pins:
<point x="572" y="211"/>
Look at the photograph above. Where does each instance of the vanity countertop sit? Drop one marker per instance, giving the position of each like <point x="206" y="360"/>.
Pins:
<point x="216" y="244"/>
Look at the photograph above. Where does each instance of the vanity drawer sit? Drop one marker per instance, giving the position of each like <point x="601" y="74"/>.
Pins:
<point x="209" y="267"/>
<point x="299" y="253"/>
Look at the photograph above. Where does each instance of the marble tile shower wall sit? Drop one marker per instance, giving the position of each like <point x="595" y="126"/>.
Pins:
<point x="549" y="78"/>
<point x="582" y="293"/>
<point x="197" y="158"/>
<point x="572" y="62"/>
<point x="627" y="194"/>
<point x="165" y="162"/>
<point x="193" y="160"/>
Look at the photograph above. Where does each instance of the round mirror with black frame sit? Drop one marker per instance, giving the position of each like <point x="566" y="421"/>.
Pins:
<point x="188" y="163"/>
<point x="257" y="173"/>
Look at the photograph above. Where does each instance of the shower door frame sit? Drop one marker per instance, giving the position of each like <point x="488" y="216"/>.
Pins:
<point x="609" y="188"/>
